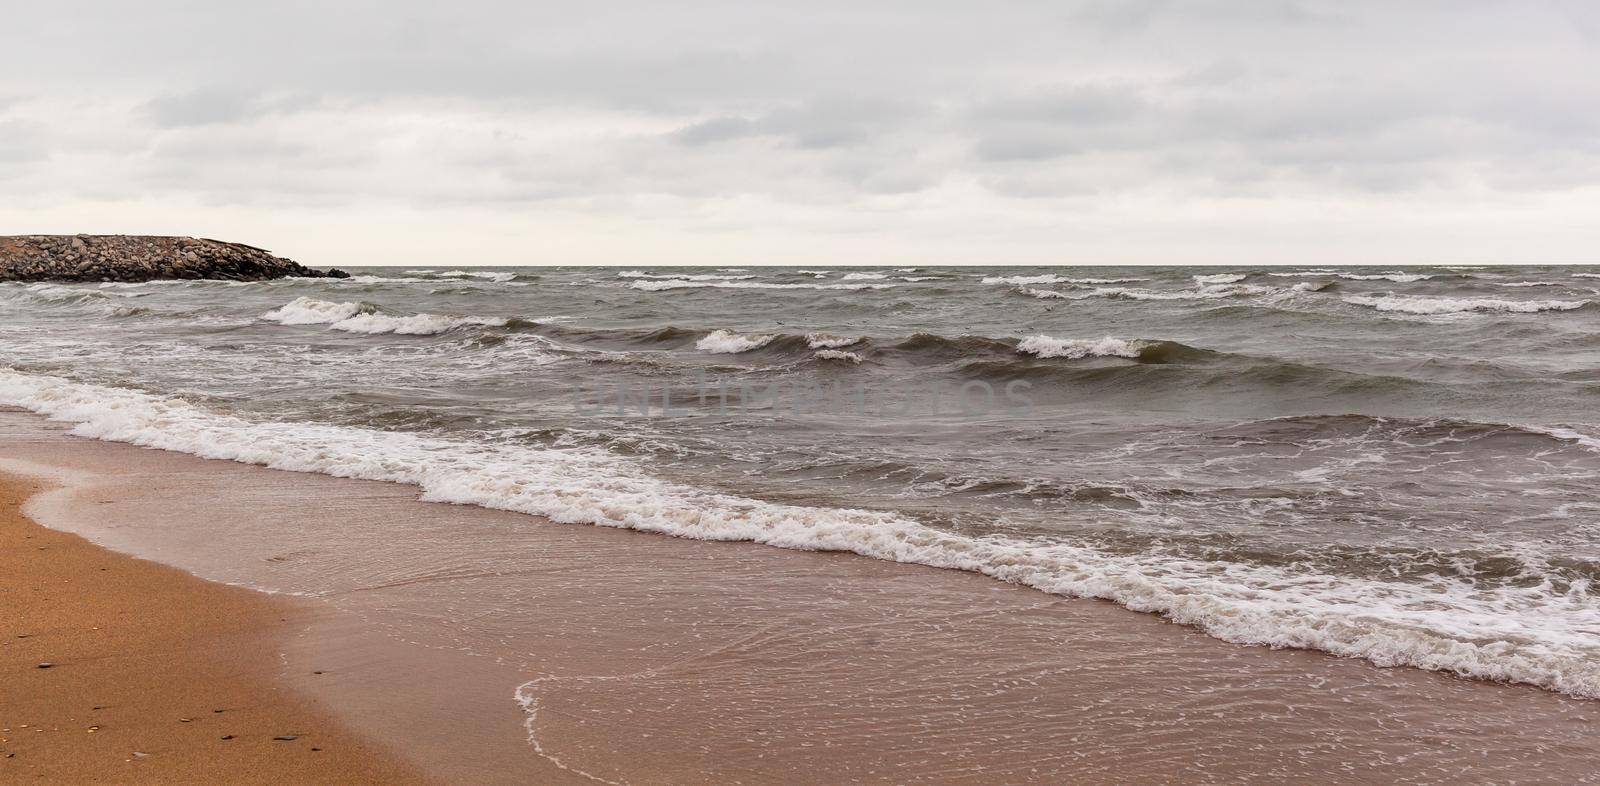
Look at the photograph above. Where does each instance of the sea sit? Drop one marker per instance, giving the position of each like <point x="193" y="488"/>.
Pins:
<point x="1395" y="464"/>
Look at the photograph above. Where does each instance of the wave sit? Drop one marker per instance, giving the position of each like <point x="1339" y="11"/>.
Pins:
<point x="1220" y="278"/>
<point x="678" y="283"/>
<point x="863" y="277"/>
<point x="682" y="276"/>
<point x="98" y="301"/>
<point x="413" y="325"/>
<point x="828" y="341"/>
<point x="1051" y="278"/>
<point x="1074" y="348"/>
<point x="311" y="311"/>
<point x="1206" y="292"/>
<point x="1513" y="633"/>
<point x="1051" y="294"/>
<point x="1406" y="304"/>
<point x="367" y="318"/>
<point x="999" y="354"/>
<point x="1396" y="277"/>
<point x="371" y="279"/>
<point x="727" y="342"/>
<point x="499" y="278"/>
<point x="837" y="354"/>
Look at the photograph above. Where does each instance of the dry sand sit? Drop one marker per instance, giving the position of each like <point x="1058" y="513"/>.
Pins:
<point x="155" y="676"/>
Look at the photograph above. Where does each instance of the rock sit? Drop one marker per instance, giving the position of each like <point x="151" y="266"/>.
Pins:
<point x="286" y="738"/>
<point x="44" y="665"/>
<point x="132" y="258"/>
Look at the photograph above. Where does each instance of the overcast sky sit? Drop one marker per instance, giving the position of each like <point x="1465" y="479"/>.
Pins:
<point x="817" y="132"/>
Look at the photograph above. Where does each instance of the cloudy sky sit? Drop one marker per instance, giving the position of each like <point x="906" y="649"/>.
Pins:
<point x="533" y="132"/>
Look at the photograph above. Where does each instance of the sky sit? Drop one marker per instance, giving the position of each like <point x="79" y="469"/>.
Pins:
<point x="932" y="132"/>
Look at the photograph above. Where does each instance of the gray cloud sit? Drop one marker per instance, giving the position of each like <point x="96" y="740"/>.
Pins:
<point x="22" y="141"/>
<point x="955" y="115"/>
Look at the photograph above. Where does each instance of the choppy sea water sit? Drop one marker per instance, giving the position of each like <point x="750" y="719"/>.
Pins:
<point x="1397" y="465"/>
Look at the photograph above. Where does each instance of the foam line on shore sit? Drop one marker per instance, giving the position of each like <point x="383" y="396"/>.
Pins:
<point x="1533" y="635"/>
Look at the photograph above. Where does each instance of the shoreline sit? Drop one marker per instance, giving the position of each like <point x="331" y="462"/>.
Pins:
<point x="647" y="659"/>
<point x="153" y="675"/>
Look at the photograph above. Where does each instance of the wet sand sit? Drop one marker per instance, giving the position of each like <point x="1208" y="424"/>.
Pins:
<point x="119" y="670"/>
<point x="644" y="659"/>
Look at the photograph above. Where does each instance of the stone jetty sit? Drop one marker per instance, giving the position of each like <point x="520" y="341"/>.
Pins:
<point x="141" y="258"/>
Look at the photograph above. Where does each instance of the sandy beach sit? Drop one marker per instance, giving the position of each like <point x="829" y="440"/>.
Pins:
<point x="495" y="647"/>
<point x="890" y="394"/>
<point x="120" y="670"/>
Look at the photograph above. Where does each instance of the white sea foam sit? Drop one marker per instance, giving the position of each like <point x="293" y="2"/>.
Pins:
<point x="727" y="342"/>
<point x="368" y="279"/>
<point x="413" y="325"/>
<point x="1075" y="348"/>
<point x="1522" y="632"/>
<point x="1050" y="294"/>
<point x="500" y="278"/>
<point x="1047" y="278"/>
<point x="1454" y="305"/>
<point x="837" y="354"/>
<point x="365" y="318"/>
<point x="1206" y="292"/>
<point x="311" y="311"/>
<point x="678" y="283"/>
<point x="829" y="341"/>
<point x="1220" y="278"/>
<point x="681" y="276"/>
<point x="1051" y="278"/>
<point x="1398" y="278"/>
<point x="1586" y="275"/>
<point x="863" y="277"/>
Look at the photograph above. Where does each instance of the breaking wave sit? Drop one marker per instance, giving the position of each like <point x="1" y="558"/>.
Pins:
<point x="368" y="318"/>
<point x="727" y="342"/>
<point x="1430" y="306"/>
<point x="1051" y="278"/>
<point x="837" y="354"/>
<point x="1073" y="348"/>
<point x="1511" y="631"/>
<point x="680" y="283"/>
<point x="828" y="341"/>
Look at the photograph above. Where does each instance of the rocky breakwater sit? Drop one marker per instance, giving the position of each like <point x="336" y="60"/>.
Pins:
<point x="141" y="258"/>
